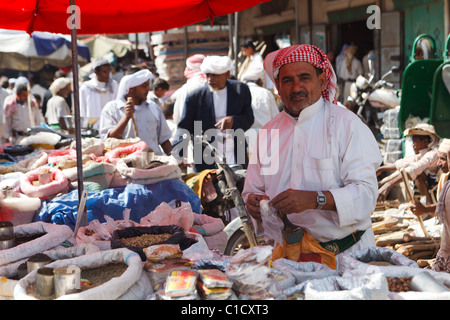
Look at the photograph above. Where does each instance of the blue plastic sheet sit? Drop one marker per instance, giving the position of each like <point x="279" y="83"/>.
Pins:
<point x="141" y="199"/>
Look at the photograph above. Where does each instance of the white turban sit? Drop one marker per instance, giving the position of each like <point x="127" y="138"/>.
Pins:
<point x="216" y="65"/>
<point x="58" y="84"/>
<point x="131" y="81"/>
<point x="100" y="62"/>
<point x="444" y="146"/>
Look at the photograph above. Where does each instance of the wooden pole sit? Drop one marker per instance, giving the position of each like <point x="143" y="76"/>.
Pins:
<point x="76" y="109"/>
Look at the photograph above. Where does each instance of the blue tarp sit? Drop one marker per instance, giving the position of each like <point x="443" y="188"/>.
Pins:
<point x="141" y="199"/>
<point x="46" y="44"/>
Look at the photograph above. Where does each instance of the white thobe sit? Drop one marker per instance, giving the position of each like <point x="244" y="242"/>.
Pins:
<point x="94" y="95"/>
<point x="225" y="143"/>
<point x="327" y="148"/>
<point x="150" y="123"/>
<point x="180" y="95"/>
<point x="57" y="107"/>
<point x="425" y="161"/>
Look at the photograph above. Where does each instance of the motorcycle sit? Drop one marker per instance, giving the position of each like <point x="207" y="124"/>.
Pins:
<point x="221" y="194"/>
<point x="370" y="100"/>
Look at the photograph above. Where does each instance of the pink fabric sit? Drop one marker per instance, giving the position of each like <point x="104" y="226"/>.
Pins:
<point x="193" y="64"/>
<point x="61" y="154"/>
<point x="59" y="183"/>
<point x="10" y="106"/>
<point x="303" y="53"/>
<point x="115" y="155"/>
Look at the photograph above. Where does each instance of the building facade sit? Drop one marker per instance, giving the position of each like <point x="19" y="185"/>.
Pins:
<point x="389" y="27"/>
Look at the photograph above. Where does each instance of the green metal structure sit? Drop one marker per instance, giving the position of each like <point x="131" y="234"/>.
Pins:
<point x="440" y="101"/>
<point x="418" y="80"/>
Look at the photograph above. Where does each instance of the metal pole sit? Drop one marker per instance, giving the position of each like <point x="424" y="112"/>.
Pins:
<point x="230" y="34"/>
<point x="76" y="109"/>
<point x="297" y="27"/>
<point x="236" y="42"/>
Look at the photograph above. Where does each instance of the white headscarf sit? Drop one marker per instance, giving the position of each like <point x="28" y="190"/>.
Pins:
<point x="444" y="146"/>
<point x="216" y="65"/>
<point x="58" y="84"/>
<point x="131" y="81"/>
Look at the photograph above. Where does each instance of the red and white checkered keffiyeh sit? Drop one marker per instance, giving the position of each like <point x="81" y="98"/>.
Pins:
<point x="193" y="64"/>
<point x="303" y="53"/>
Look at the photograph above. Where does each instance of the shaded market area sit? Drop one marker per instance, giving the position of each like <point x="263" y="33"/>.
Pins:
<point x="97" y="204"/>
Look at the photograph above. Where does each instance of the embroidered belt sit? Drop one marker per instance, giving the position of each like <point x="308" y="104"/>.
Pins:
<point x="340" y="245"/>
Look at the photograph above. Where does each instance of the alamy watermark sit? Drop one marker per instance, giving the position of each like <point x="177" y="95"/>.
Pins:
<point x="74" y="20"/>
<point x="266" y="143"/>
<point x="374" y="21"/>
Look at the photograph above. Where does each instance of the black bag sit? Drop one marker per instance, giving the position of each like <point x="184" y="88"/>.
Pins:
<point x="177" y="237"/>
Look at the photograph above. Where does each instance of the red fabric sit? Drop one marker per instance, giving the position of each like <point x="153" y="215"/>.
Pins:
<point x="114" y="16"/>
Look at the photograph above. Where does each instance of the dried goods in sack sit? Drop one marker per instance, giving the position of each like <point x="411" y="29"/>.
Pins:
<point x="138" y="238"/>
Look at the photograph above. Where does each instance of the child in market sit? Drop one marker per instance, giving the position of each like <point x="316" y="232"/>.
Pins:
<point x="420" y="167"/>
<point x="442" y="211"/>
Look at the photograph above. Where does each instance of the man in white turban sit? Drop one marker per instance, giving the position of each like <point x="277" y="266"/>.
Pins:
<point x="223" y="106"/>
<point x="131" y="104"/>
<point x="96" y="92"/>
<point x="57" y="106"/>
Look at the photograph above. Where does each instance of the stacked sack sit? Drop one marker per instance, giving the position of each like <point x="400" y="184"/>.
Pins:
<point x="392" y="135"/>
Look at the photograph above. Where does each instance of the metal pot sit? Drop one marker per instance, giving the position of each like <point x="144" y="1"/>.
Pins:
<point x="67" y="280"/>
<point x="6" y="228"/>
<point x="6" y="242"/>
<point x="85" y="123"/>
<point x="45" y="284"/>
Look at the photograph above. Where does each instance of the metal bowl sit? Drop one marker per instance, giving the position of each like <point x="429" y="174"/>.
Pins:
<point x="85" y="122"/>
<point x="6" y="242"/>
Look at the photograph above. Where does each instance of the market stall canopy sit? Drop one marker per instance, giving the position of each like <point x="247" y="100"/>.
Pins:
<point x="19" y="51"/>
<point x="113" y="16"/>
<point x="100" y="45"/>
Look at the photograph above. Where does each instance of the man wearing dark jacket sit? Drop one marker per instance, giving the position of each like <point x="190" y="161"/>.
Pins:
<point x="222" y="110"/>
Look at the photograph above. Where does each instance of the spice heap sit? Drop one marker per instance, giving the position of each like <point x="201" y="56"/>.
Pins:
<point x="145" y="240"/>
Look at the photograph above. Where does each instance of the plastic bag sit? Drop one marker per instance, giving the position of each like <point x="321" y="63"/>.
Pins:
<point x="163" y="251"/>
<point x="271" y="222"/>
<point x="367" y="287"/>
<point x="100" y="230"/>
<point x="251" y="276"/>
<point x="171" y="214"/>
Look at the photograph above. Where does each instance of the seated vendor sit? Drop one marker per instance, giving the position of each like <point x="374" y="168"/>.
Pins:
<point x="444" y="150"/>
<point x="420" y="167"/>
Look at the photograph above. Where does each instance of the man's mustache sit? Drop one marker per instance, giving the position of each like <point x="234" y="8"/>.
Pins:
<point x="301" y="94"/>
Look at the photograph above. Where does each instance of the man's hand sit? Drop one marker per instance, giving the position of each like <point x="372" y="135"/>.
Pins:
<point x="225" y="123"/>
<point x="252" y="205"/>
<point x="129" y="108"/>
<point x="294" y="201"/>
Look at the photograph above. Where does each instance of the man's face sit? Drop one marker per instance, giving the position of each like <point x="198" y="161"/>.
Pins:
<point x="160" y="92"/>
<point x="443" y="162"/>
<point x="299" y="86"/>
<point x="103" y="72"/>
<point x="64" y="92"/>
<point x="248" y="52"/>
<point x="419" y="142"/>
<point x="140" y="92"/>
<point x="22" y="96"/>
<point x="217" y="81"/>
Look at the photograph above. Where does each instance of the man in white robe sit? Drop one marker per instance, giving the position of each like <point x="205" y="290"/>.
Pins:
<point x="316" y="162"/>
<point x="116" y="120"/>
<point x="99" y="90"/>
